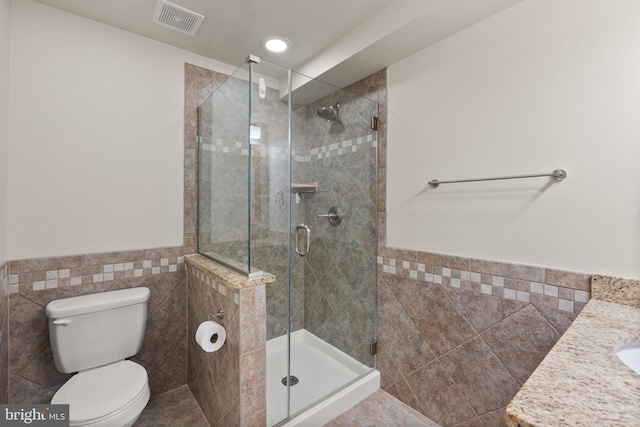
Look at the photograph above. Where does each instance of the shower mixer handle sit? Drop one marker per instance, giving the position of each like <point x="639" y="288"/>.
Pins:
<point x="334" y="215"/>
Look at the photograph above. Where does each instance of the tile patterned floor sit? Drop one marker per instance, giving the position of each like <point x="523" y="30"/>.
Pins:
<point x="178" y="408"/>
<point x="381" y="410"/>
<point x="175" y="408"/>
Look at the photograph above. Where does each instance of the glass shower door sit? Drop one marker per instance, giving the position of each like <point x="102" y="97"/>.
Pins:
<point x="313" y="218"/>
<point x="269" y="116"/>
<point x="334" y="195"/>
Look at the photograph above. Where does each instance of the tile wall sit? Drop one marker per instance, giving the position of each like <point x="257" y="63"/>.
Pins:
<point x="339" y="272"/>
<point x="223" y="185"/>
<point x="333" y="287"/>
<point x="4" y="333"/>
<point x="328" y="292"/>
<point x="229" y="384"/>
<point x="458" y="337"/>
<point x="33" y="283"/>
<point x="555" y="289"/>
<point x="223" y="171"/>
<point x="458" y="351"/>
<point x="200" y="83"/>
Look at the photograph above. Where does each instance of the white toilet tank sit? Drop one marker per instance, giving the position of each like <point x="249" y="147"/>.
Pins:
<point x="94" y="330"/>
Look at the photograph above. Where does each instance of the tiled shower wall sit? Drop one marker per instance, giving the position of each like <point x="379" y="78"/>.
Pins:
<point x="223" y="171"/>
<point x="200" y="84"/>
<point x="333" y="287"/>
<point x="223" y="185"/>
<point x="339" y="272"/>
<point x="330" y="290"/>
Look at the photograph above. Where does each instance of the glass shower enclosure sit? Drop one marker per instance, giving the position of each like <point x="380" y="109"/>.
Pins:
<point x="288" y="185"/>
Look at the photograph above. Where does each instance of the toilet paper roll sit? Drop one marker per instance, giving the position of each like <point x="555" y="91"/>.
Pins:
<point x="211" y="336"/>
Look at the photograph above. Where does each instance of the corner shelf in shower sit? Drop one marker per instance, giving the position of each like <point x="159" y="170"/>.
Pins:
<point x="302" y="188"/>
<point x="310" y="187"/>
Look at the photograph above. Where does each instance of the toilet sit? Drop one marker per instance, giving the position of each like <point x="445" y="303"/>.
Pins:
<point x="93" y="335"/>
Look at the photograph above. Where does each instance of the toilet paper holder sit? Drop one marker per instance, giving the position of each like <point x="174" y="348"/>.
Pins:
<point x="219" y="315"/>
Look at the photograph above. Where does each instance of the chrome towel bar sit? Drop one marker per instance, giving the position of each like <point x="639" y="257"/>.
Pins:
<point x="558" y="175"/>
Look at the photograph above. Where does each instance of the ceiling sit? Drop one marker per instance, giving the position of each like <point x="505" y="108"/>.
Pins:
<point x="338" y="41"/>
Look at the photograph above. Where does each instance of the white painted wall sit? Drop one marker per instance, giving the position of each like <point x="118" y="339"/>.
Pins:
<point x="5" y="37"/>
<point x="95" y="136"/>
<point x="545" y="84"/>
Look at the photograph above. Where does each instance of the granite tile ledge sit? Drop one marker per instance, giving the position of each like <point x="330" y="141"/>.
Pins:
<point x="228" y="277"/>
<point x="616" y="290"/>
<point x="582" y="382"/>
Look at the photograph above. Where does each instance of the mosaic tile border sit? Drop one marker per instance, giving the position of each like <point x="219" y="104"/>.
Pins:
<point x="239" y="148"/>
<point x="39" y="274"/>
<point x="223" y="290"/>
<point x="527" y="291"/>
<point x="338" y="148"/>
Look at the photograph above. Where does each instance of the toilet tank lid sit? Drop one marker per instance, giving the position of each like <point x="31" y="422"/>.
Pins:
<point x="83" y="304"/>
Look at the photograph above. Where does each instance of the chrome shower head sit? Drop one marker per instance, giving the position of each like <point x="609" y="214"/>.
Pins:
<point x="329" y="113"/>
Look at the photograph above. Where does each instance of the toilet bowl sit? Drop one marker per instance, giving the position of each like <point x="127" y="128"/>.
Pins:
<point x="92" y="335"/>
<point x="109" y="396"/>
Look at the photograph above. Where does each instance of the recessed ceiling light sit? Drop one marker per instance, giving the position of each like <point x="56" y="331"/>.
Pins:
<point x="277" y="44"/>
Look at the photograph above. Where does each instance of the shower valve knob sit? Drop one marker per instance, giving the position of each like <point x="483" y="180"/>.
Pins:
<point x="334" y="215"/>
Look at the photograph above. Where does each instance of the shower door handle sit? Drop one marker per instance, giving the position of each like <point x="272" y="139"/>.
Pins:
<point x="308" y="242"/>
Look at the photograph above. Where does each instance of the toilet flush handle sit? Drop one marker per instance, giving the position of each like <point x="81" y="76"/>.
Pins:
<point x="63" y="322"/>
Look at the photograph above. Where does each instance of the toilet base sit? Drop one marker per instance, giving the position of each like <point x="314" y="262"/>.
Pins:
<point x="126" y="417"/>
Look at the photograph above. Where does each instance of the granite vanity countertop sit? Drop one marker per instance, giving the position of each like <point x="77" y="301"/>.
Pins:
<point x="582" y="382"/>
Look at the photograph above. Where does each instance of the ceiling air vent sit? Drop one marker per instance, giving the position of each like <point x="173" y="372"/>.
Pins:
<point x="177" y="17"/>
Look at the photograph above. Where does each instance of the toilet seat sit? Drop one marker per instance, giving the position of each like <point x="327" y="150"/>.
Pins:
<point x="110" y="395"/>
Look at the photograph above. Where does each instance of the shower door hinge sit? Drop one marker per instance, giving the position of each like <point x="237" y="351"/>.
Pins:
<point x="374" y="122"/>
<point x="373" y="347"/>
<point x="198" y="139"/>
